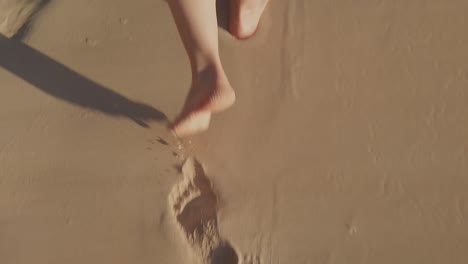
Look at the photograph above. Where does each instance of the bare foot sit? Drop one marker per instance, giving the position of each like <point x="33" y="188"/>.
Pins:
<point x="210" y="93"/>
<point x="244" y="17"/>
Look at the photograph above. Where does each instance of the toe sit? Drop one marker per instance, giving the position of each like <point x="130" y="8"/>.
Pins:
<point x="192" y="124"/>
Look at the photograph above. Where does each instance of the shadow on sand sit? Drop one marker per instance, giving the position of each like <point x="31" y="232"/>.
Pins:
<point x="61" y="82"/>
<point x="222" y="13"/>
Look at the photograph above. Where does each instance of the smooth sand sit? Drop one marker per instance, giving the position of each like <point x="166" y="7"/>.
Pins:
<point x="348" y="142"/>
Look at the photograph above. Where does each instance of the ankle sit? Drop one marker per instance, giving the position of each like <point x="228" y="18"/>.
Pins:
<point x="211" y="71"/>
<point x="200" y="63"/>
<point x="248" y="6"/>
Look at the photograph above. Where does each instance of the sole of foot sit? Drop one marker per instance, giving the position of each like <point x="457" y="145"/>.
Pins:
<point x="245" y="16"/>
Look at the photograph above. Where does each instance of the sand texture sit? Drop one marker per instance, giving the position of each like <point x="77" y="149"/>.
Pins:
<point x="348" y="142"/>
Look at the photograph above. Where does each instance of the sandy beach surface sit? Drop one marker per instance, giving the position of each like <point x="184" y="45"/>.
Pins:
<point x="348" y="142"/>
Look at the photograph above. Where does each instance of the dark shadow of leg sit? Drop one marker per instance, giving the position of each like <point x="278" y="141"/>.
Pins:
<point x="224" y="254"/>
<point x="222" y="13"/>
<point x="61" y="82"/>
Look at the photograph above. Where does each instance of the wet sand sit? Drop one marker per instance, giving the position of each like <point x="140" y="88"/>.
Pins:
<point x="348" y="142"/>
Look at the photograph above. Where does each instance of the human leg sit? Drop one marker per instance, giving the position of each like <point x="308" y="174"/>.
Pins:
<point x="210" y="90"/>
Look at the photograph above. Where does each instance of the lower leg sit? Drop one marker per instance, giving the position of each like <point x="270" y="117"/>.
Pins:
<point x="210" y="90"/>
<point x="245" y="16"/>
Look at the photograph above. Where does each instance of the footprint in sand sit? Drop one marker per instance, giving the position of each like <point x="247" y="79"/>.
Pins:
<point x="194" y="205"/>
<point x="251" y="259"/>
